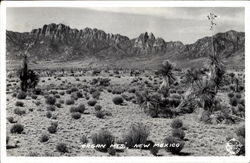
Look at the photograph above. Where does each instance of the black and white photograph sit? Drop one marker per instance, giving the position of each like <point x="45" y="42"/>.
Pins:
<point x="125" y="81"/>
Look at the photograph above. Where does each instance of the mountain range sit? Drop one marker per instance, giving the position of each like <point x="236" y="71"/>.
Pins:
<point x="60" y="42"/>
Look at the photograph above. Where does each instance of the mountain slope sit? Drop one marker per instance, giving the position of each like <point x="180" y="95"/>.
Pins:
<point x="60" y="42"/>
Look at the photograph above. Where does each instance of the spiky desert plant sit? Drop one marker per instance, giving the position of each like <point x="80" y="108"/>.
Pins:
<point x="166" y="71"/>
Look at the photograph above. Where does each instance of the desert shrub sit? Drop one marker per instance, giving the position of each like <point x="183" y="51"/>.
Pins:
<point x="241" y="131"/>
<point x="179" y="133"/>
<point x="230" y="95"/>
<point x="19" y="103"/>
<point x="111" y="151"/>
<point x="98" y="107"/>
<point x="238" y="95"/>
<point x="103" y="137"/>
<point x="176" y="123"/>
<point x="233" y="101"/>
<point x="51" y="108"/>
<point x="50" y="100"/>
<point x="84" y="139"/>
<point x="52" y="128"/>
<point x="242" y="102"/>
<point x="99" y="114"/>
<point x="137" y="134"/>
<point x="81" y="108"/>
<point x="118" y="100"/>
<point x="14" y="94"/>
<point x="57" y="96"/>
<point x="34" y="97"/>
<point x="37" y="91"/>
<point x="70" y="101"/>
<point x="62" y="93"/>
<point x="154" y="150"/>
<point x="19" y="111"/>
<point x="61" y="147"/>
<point x="21" y="95"/>
<point x="76" y="115"/>
<point x="48" y="114"/>
<point x="59" y="105"/>
<point x="17" y="128"/>
<point x="96" y="94"/>
<point x="205" y="116"/>
<point x="43" y="138"/>
<point x="174" y="145"/>
<point x="92" y="102"/>
<point x="11" y="119"/>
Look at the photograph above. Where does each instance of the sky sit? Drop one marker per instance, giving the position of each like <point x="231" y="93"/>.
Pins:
<point x="186" y="24"/>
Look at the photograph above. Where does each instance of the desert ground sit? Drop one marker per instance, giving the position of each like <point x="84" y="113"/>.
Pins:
<point x="72" y="88"/>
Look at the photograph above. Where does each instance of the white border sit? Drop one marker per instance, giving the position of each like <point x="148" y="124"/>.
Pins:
<point x="190" y="159"/>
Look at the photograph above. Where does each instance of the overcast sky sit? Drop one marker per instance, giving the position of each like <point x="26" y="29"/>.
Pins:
<point x="172" y="24"/>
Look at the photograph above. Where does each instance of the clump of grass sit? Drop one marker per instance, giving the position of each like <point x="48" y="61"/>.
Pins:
<point x="50" y="100"/>
<point x="62" y="147"/>
<point x="48" y="114"/>
<point x="44" y="138"/>
<point x="100" y="114"/>
<point x="230" y="95"/>
<point x="92" y="102"/>
<point x="111" y="151"/>
<point x="19" y="111"/>
<point x="53" y="128"/>
<point x="21" y="95"/>
<point x="118" y="100"/>
<point x="76" y="115"/>
<point x="70" y="101"/>
<point x="174" y="145"/>
<point x="137" y="134"/>
<point x="179" y="133"/>
<point x="51" y="108"/>
<point x="103" y="137"/>
<point x="176" y="123"/>
<point x="98" y="107"/>
<point x="11" y="119"/>
<point x="233" y="101"/>
<point x="241" y="131"/>
<point x="19" y="103"/>
<point x="84" y="139"/>
<point x="17" y="128"/>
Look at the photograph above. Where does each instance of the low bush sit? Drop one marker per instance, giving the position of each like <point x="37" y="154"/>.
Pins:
<point x="176" y="123"/>
<point x="76" y="115"/>
<point x="241" y="131"/>
<point x="70" y="101"/>
<point x="178" y="133"/>
<point x="100" y="114"/>
<point x="84" y="139"/>
<point x="103" y="137"/>
<point x="19" y="103"/>
<point x="98" y="107"/>
<point x="21" y="95"/>
<point x="44" y="138"/>
<point x="118" y="100"/>
<point x="174" y="145"/>
<point x="19" y="111"/>
<point x="137" y="134"/>
<point x="61" y="147"/>
<point x="92" y="102"/>
<point x="17" y="128"/>
<point x="50" y="100"/>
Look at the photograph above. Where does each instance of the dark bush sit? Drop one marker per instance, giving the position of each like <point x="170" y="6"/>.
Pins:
<point x="81" y="108"/>
<point x="174" y="145"/>
<point x="19" y="111"/>
<point x="21" y="95"/>
<point x="154" y="150"/>
<point x="11" y="119"/>
<point x="103" y="137"/>
<point x="48" y="114"/>
<point x="118" y="100"/>
<point x="44" y="138"/>
<point x="178" y="133"/>
<point x="241" y="131"/>
<point x="17" y="128"/>
<point x="76" y="115"/>
<point x="230" y="95"/>
<point x="50" y="100"/>
<point x="98" y="107"/>
<point x="19" y="103"/>
<point x="84" y="139"/>
<point x="61" y="147"/>
<point x="111" y="151"/>
<point x="53" y="128"/>
<point x="137" y="134"/>
<point x="176" y="123"/>
<point x="70" y="101"/>
<point x="92" y="102"/>
<point x="233" y="101"/>
<point x="100" y="114"/>
<point x="37" y="91"/>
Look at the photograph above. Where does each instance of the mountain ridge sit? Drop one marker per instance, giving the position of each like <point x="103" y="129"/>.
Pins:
<point x="58" y="41"/>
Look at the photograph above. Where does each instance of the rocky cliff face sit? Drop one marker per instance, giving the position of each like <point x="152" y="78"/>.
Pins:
<point x="57" y="41"/>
